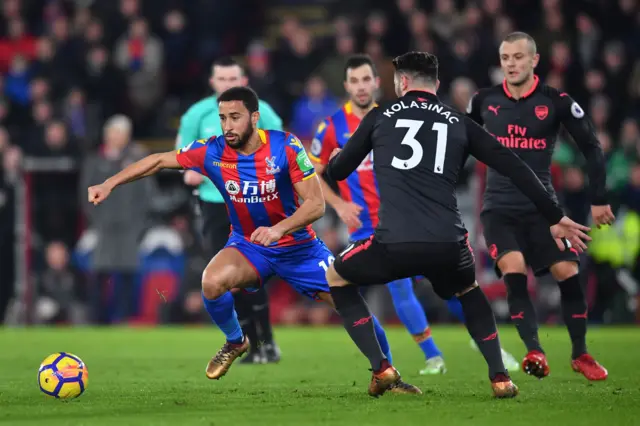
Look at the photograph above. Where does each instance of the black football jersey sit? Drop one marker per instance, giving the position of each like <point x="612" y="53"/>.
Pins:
<point x="419" y="147"/>
<point x="529" y="126"/>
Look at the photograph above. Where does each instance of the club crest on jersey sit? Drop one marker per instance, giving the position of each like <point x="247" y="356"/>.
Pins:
<point x="542" y="111"/>
<point x="232" y="187"/>
<point x="272" y="167"/>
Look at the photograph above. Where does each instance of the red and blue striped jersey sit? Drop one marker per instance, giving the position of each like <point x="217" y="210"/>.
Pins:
<point x="258" y="189"/>
<point x="360" y="187"/>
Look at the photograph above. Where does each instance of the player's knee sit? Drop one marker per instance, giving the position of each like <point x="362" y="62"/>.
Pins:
<point x="562" y="271"/>
<point x="512" y="263"/>
<point x="466" y="290"/>
<point x="401" y="289"/>
<point x="334" y="279"/>
<point x="213" y="285"/>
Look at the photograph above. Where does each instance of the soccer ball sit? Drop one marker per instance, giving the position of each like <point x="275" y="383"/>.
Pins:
<point x="63" y="375"/>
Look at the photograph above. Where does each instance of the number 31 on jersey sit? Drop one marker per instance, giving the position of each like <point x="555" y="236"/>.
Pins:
<point x="417" y="152"/>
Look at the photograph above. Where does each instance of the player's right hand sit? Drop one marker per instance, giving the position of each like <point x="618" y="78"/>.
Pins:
<point x="192" y="178"/>
<point x="602" y="215"/>
<point x="573" y="232"/>
<point x="349" y="213"/>
<point x="98" y="193"/>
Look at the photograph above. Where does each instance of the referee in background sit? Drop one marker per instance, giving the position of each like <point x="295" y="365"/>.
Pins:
<point x="201" y="121"/>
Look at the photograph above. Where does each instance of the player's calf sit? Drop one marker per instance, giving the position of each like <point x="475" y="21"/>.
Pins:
<point x="398" y="386"/>
<point x="482" y="328"/>
<point x="227" y="270"/>
<point x="574" y="313"/>
<point x="574" y="305"/>
<point x="523" y="315"/>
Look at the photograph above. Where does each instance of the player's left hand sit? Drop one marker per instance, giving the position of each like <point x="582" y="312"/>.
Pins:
<point x="266" y="235"/>
<point x="602" y="215"/>
<point x="571" y="231"/>
<point x="334" y="153"/>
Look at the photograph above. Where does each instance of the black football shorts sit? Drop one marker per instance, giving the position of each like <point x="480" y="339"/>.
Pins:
<point x="528" y="233"/>
<point x="450" y="267"/>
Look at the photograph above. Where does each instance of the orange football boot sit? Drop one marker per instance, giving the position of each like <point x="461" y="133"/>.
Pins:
<point x="221" y="362"/>
<point x="405" y="388"/>
<point x="383" y="380"/>
<point x="503" y="387"/>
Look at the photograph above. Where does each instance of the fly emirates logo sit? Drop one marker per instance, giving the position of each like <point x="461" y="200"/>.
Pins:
<point x="517" y="139"/>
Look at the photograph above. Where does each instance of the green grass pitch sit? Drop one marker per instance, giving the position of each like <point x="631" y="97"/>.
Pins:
<point x="156" y="377"/>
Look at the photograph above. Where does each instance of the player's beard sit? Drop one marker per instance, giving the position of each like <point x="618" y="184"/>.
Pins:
<point x="241" y="140"/>
<point x="363" y="105"/>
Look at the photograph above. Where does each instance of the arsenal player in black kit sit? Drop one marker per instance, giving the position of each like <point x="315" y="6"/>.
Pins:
<point x="419" y="146"/>
<point x="525" y="116"/>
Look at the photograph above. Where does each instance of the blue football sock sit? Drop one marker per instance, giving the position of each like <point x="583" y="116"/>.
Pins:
<point x="408" y="308"/>
<point x="428" y="346"/>
<point x="412" y="315"/>
<point x="224" y="315"/>
<point x="456" y="308"/>
<point x="382" y="339"/>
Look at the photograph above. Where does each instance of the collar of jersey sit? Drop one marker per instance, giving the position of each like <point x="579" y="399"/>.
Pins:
<point x="534" y="86"/>
<point x="263" y="136"/>
<point x="422" y="93"/>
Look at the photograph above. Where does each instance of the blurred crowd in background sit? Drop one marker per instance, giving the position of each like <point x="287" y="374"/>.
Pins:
<point x="89" y="86"/>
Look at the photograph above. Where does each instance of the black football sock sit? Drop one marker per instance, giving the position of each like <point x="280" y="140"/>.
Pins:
<point x="358" y="322"/>
<point x="481" y="325"/>
<point x="574" y="312"/>
<point x="246" y="319"/>
<point x="522" y="311"/>
<point x="260" y="308"/>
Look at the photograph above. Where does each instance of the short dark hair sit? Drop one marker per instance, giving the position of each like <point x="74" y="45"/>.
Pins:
<point x="419" y="65"/>
<point x="356" y="61"/>
<point x="226" y="61"/>
<point x="519" y="35"/>
<point x="244" y="94"/>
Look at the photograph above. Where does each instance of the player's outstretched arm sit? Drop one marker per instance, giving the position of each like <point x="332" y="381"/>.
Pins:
<point x="189" y="131"/>
<point x="148" y="166"/>
<point x="581" y="129"/>
<point x="487" y="149"/>
<point x="311" y="209"/>
<point x="355" y="150"/>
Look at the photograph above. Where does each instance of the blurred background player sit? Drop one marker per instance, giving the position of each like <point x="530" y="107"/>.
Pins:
<point x="201" y="121"/>
<point x="525" y="116"/>
<point x="359" y="202"/>
<point x="264" y="174"/>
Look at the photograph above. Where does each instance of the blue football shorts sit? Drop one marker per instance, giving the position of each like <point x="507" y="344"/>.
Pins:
<point x="302" y="266"/>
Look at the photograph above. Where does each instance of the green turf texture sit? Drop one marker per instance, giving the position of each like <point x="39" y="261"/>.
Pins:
<point x="156" y="377"/>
